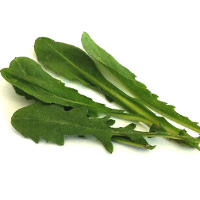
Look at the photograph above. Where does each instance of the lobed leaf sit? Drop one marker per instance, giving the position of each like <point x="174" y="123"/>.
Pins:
<point x="52" y="123"/>
<point x="128" y="79"/>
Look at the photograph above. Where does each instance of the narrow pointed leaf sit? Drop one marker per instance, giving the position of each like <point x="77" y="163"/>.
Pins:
<point x="138" y="89"/>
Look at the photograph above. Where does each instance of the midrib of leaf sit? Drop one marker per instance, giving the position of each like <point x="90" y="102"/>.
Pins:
<point x="131" y="105"/>
<point x="132" y="117"/>
<point x="61" y="123"/>
<point x="69" y="123"/>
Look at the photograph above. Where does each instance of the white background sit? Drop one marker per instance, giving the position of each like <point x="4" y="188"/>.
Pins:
<point x="160" y="42"/>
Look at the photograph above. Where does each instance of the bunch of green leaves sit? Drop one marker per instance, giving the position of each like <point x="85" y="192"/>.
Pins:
<point x="61" y="111"/>
<point x="74" y="64"/>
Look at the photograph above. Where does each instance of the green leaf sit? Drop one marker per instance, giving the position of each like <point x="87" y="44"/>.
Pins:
<point x="56" y="55"/>
<point x="72" y="63"/>
<point x="52" y="123"/>
<point x="32" y="81"/>
<point x="67" y="60"/>
<point x="138" y="89"/>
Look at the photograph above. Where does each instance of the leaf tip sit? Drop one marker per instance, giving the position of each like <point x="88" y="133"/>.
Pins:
<point x="85" y="36"/>
<point x="109" y="147"/>
<point x="150" y="147"/>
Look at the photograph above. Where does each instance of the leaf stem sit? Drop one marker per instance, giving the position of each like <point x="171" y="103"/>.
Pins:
<point x="132" y="117"/>
<point x="189" y="140"/>
<point x="128" y="142"/>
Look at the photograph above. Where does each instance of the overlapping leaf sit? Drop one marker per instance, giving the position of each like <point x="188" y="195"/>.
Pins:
<point x="71" y="62"/>
<point x="138" y="89"/>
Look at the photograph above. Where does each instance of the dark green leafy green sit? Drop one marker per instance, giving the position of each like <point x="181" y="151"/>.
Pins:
<point x="72" y="63"/>
<point x="128" y="79"/>
<point x="61" y="111"/>
<point x="52" y="123"/>
<point x="30" y="80"/>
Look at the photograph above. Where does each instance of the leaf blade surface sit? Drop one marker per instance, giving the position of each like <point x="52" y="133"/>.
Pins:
<point x="52" y="123"/>
<point x="29" y="77"/>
